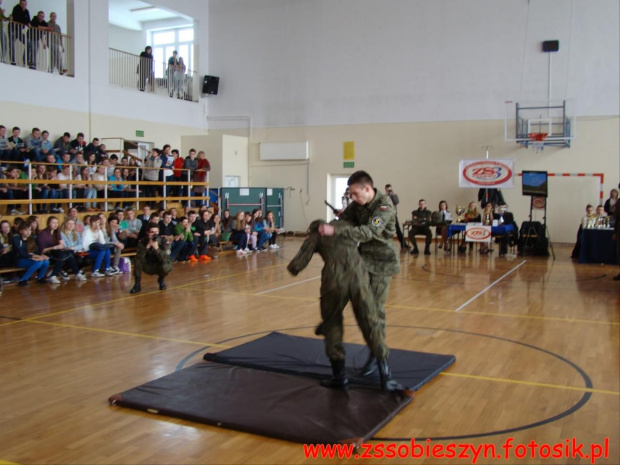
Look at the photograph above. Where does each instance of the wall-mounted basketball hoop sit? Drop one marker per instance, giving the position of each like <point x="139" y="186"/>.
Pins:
<point x="537" y="140"/>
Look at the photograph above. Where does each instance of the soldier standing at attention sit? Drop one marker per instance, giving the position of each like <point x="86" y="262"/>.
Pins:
<point x="152" y="257"/>
<point x="371" y="221"/>
<point x="344" y="278"/>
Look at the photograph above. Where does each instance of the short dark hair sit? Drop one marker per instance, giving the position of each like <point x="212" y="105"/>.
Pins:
<point x="113" y="157"/>
<point x="192" y="150"/>
<point x="360" y="177"/>
<point x="421" y="200"/>
<point x="174" y="151"/>
<point x="36" y="129"/>
<point x="45" y="132"/>
<point x="94" y="139"/>
<point x="15" y="127"/>
<point x="66" y="134"/>
<point x="167" y="145"/>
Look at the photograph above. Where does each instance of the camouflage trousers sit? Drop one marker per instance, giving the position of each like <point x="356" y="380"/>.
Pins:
<point x="334" y="298"/>
<point x="151" y="268"/>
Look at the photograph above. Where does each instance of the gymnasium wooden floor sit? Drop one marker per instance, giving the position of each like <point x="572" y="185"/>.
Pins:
<point x="536" y="342"/>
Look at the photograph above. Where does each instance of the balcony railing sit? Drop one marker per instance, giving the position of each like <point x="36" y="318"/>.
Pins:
<point x="133" y="72"/>
<point x="35" y="48"/>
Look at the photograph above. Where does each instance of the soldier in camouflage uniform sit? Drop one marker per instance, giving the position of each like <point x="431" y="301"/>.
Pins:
<point x="152" y="257"/>
<point x="344" y="278"/>
<point x="371" y="221"/>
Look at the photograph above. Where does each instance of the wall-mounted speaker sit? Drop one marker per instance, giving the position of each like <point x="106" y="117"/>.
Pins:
<point x="551" y="46"/>
<point x="210" y="85"/>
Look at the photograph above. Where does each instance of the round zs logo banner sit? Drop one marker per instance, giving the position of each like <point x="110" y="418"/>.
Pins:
<point x="474" y="233"/>
<point x="486" y="173"/>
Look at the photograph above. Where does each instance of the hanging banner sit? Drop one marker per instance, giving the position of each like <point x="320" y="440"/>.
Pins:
<point x="488" y="174"/>
<point x="477" y="233"/>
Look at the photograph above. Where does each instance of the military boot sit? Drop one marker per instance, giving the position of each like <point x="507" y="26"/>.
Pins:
<point x="162" y="284"/>
<point x="339" y="379"/>
<point x="387" y="383"/>
<point x="369" y="367"/>
<point x="136" y="286"/>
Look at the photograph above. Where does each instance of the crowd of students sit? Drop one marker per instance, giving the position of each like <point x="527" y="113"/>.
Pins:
<point x="61" y="250"/>
<point x="37" y="159"/>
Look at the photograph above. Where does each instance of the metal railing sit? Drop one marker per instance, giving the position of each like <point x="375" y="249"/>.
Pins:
<point x="23" y="190"/>
<point x="133" y="72"/>
<point x="35" y="48"/>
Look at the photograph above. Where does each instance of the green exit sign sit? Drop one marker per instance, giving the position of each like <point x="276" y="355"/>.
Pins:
<point x="348" y="164"/>
<point x="139" y="133"/>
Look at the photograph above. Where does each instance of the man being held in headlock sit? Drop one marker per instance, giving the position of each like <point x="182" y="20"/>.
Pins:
<point x="344" y="278"/>
<point x="152" y="257"/>
<point x="371" y="221"/>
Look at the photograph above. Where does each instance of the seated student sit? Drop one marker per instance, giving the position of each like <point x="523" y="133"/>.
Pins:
<point x="40" y="190"/>
<point x="217" y="228"/>
<point x="166" y="229"/>
<point x="253" y="240"/>
<point x="208" y="237"/>
<point x="28" y="256"/>
<point x="270" y="227"/>
<point x="55" y="192"/>
<point x="442" y="219"/>
<point x="226" y="221"/>
<point x="14" y="191"/>
<point x="487" y="218"/>
<point x="188" y="251"/>
<point x="71" y="237"/>
<point x="589" y="218"/>
<point x="99" y="252"/>
<point x="507" y="218"/>
<point x="420" y="224"/>
<point x="116" y="191"/>
<point x="471" y="216"/>
<point x="131" y="228"/>
<point x="146" y="214"/>
<point x="238" y="234"/>
<point x="7" y="258"/>
<point x="64" y="175"/>
<point x="154" y="218"/>
<point x="73" y="214"/>
<point x="173" y="216"/>
<point x="111" y="235"/>
<point x="99" y="175"/>
<point x="51" y="244"/>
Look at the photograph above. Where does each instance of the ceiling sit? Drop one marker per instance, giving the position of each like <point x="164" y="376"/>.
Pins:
<point x="130" y="14"/>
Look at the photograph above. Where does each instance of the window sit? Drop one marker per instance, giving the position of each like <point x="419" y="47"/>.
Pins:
<point x="164" y="42"/>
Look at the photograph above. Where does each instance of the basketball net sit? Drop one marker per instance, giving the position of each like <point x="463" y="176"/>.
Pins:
<point x="537" y="140"/>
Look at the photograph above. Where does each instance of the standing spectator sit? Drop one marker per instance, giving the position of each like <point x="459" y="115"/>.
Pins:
<point x="611" y="204"/>
<point x="151" y="173"/>
<point x="189" y="165"/>
<point x="200" y="176"/>
<point x="21" y="19"/>
<point x="399" y="233"/>
<point x="56" y="47"/>
<point x="177" y="173"/>
<point x="145" y="70"/>
<point x="176" y="73"/>
<point x="36" y="33"/>
<point x="3" y="38"/>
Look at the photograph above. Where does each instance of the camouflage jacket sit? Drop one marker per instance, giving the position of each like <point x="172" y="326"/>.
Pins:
<point x="373" y="226"/>
<point x="152" y="257"/>
<point x="340" y="254"/>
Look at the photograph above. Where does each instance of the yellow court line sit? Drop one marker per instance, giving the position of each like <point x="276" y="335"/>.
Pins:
<point x="6" y="462"/>
<point x="135" y="296"/>
<point x="124" y="333"/>
<point x="531" y="383"/>
<point x="248" y="294"/>
<point x="507" y="315"/>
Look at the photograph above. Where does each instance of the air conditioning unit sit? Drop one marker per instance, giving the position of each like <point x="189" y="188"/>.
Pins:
<point x="283" y="151"/>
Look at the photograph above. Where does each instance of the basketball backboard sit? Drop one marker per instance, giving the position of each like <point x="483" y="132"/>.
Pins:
<point x="555" y="118"/>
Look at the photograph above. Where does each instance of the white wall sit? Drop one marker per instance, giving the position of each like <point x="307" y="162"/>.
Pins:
<point x="297" y="62"/>
<point x="126" y="40"/>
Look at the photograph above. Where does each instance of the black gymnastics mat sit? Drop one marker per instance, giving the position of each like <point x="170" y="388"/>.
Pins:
<point x="287" y="407"/>
<point x="302" y="356"/>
